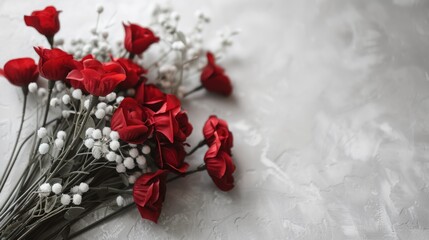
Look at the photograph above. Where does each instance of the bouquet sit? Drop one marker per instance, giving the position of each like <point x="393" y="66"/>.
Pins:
<point x="112" y="132"/>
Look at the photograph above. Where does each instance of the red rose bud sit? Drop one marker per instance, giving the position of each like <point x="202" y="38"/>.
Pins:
<point x="138" y="39"/>
<point x="132" y="122"/>
<point x="45" y="21"/>
<point x="214" y="79"/>
<point x="220" y="168"/>
<point x="171" y="156"/>
<point x="149" y="194"/>
<point x="133" y="72"/>
<point x="98" y="78"/>
<point x="216" y="129"/>
<point x="55" y="64"/>
<point x="20" y="72"/>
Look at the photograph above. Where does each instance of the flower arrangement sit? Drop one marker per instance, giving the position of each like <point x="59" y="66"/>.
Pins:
<point x="112" y="131"/>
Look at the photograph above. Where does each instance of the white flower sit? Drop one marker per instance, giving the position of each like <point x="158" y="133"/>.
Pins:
<point x="41" y="92"/>
<point x="132" y="179"/>
<point x="59" y="143"/>
<point x="111" y="156"/>
<point x="59" y="86"/>
<point x="54" y="102"/>
<point x="43" y="148"/>
<point x="120" y="168"/>
<point x="66" y="114"/>
<point x="109" y="109"/>
<point x="106" y="131"/>
<point x="111" y="97"/>
<point x="57" y="188"/>
<point x="65" y="199"/>
<point x="118" y="159"/>
<point x="96" y="151"/>
<point x="146" y="149"/>
<point x="66" y="99"/>
<point x="129" y="163"/>
<point x="96" y="134"/>
<point x="120" y="201"/>
<point x="77" y="199"/>
<point x="74" y="189"/>
<point x="100" y="113"/>
<point x="114" y="135"/>
<point x="141" y="160"/>
<point x="119" y="99"/>
<point x="61" y="134"/>
<point x="114" y="145"/>
<point x="45" y="189"/>
<point x="86" y="104"/>
<point x="101" y="105"/>
<point x="88" y="132"/>
<point x="32" y="87"/>
<point x="178" y="46"/>
<point x="42" y="132"/>
<point x="133" y="152"/>
<point x="83" y="187"/>
<point x="77" y="94"/>
<point x="89" y="143"/>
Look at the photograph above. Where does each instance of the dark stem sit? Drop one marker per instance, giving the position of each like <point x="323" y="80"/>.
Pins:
<point x="50" y="41"/>
<point x="199" y="169"/>
<point x="200" y="144"/>
<point x="131" y="56"/>
<point x="193" y="90"/>
<point x="51" y="85"/>
<point x="11" y="163"/>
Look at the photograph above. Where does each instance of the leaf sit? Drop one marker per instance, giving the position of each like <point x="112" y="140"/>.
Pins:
<point x="73" y="213"/>
<point x="65" y="169"/>
<point x="66" y="232"/>
<point x="89" y="124"/>
<point x="181" y="37"/>
<point x="89" y="180"/>
<point x="50" y="203"/>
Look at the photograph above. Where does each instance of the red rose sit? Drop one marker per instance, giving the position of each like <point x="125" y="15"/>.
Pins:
<point x="20" y="72"/>
<point x="99" y="78"/>
<point x="182" y="127"/>
<point x="150" y="96"/>
<point x="44" y="21"/>
<point x="149" y="194"/>
<point x="133" y="72"/>
<point x="217" y="129"/>
<point x="214" y="79"/>
<point x="220" y="167"/>
<point x="165" y="118"/>
<point x="78" y="84"/>
<point x="171" y="156"/>
<point x="55" y="64"/>
<point x="138" y="39"/>
<point x="132" y="122"/>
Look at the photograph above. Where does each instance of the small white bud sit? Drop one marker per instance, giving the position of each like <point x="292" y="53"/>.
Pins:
<point x="65" y="113"/>
<point x="137" y="174"/>
<point x="111" y="156"/>
<point x="65" y="199"/>
<point x="109" y="109"/>
<point x="106" y="131"/>
<point x="83" y="187"/>
<point x="43" y="148"/>
<point x="129" y="163"/>
<point x="132" y="179"/>
<point x="54" y="102"/>
<point x="100" y="113"/>
<point x="96" y="134"/>
<point x="89" y="131"/>
<point x="111" y="97"/>
<point x="77" y="199"/>
<point x="45" y="189"/>
<point x="86" y="104"/>
<point x="96" y="151"/>
<point x="141" y="160"/>
<point x="114" y="135"/>
<point x="32" y="87"/>
<point x="89" y="143"/>
<point x="102" y="105"/>
<point x="120" y="201"/>
<point x="41" y="92"/>
<point x="59" y="143"/>
<point x="119" y="99"/>
<point x="42" y="132"/>
<point x="120" y="168"/>
<point x="118" y="158"/>
<point x="114" y="145"/>
<point x="57" y="188"/>
<point x="133" y="152"/>
<point x="77" y="94"/>
<point x="178" y="46"/>
<point x="59" y="86"/>
<point x="66" y="99"/>
<point x="100" y="9"/>
<point x="146" y="149"/>
<point x="74" y="189"/>
<point x="142" y="167"/>
<point x="61" y="135"/>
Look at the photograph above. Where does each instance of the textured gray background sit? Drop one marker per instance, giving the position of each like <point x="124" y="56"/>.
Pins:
<point x="329" y="114"/>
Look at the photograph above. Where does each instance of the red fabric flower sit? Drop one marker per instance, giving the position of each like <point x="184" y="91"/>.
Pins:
<point x="20" y="71"/>
<point x="171" y="156"/>
<point x="182" y="127"/>
<point x="133" y="72"/>
<point x="150" y="96"/>
<point x="99" y="78"/>
<point x="149" y="194"/>
<point x="45" y="21"/>
<point x="133" y="122"/>
<point x="55" y="64"/>
<point x="138" y="39"/>
<point x="78" y="84"/>
<point x="216" y="129"/>
<point x="214" y="79"/>
<point x="220" y="167"/>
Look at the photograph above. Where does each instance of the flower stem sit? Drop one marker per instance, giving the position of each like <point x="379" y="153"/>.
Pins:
<point x="193" y="90"/>
<point x="199" y="169"/>
<point x="131" y="56"/>
<point x="200" y="144"/>
<point x="51" y="85"/>
<point x="11" y="163"/>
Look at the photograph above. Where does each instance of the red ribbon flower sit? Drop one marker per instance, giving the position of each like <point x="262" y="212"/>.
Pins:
<point x="220" y="167"/>
<point x="132" y="122"/>
<point x="149" y="194"/>
<point x="171" y="156"/>
<point x="98" y="78"/>
<point x="216" y="129"/>
<point x="55" y="64"/>
<point x="20" y="71"/>
<point x="138" y="39"/>
<point x="133" y="72"/>
<point x="214" y="79"/>
<point x="150" y="96"/>
<point x="45" y="21"/>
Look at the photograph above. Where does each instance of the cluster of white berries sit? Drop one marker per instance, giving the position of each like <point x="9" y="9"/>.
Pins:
<point x="58" y="142"/>
<point x="164" y="16"/>
<point x="97" y="141"/>
<point x="75" y="195"/>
